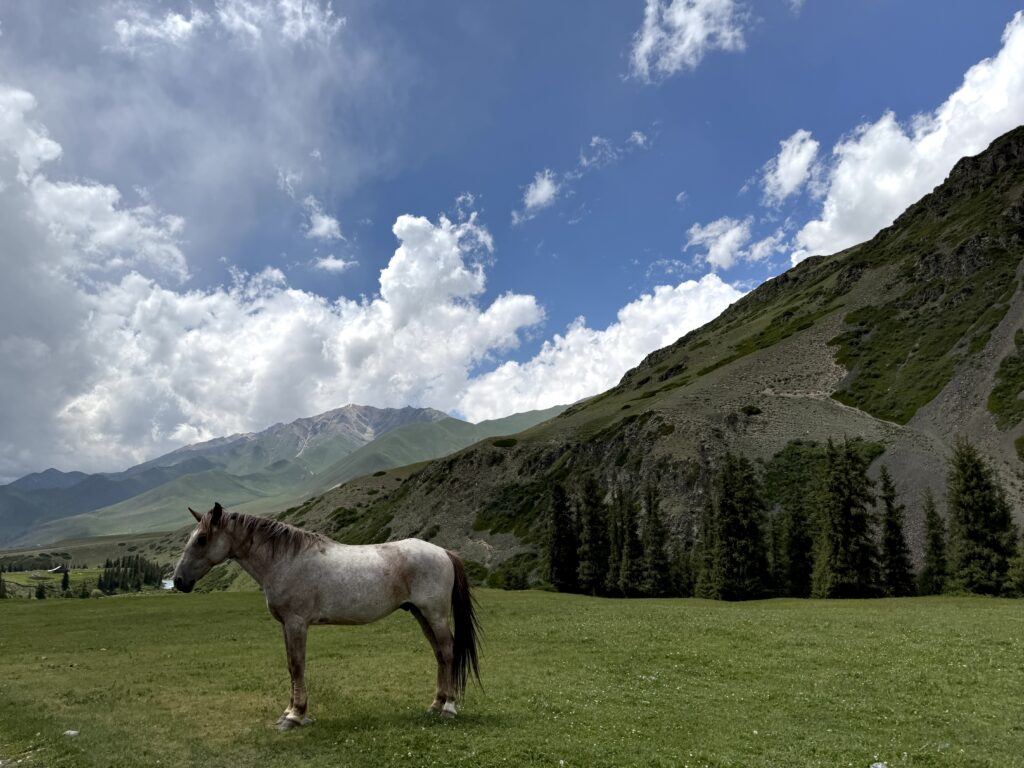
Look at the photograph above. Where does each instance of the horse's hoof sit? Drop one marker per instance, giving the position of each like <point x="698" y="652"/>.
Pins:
<point x="287" y="723"/>
<point x="447" y="714"/>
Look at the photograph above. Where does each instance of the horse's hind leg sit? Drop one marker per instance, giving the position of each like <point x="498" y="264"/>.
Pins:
<point x="441" y="643"/>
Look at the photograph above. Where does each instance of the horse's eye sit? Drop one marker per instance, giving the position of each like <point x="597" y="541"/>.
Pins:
<point x="201" y="540"/>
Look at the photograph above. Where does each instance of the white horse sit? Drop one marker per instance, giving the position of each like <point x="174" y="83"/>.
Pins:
<point x="310" y="579"/>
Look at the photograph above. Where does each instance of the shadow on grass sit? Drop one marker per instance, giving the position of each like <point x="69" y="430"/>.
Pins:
<point x="399" y="721"/>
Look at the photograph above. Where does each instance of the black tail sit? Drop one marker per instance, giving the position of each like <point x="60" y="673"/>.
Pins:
<point x="467" y="628"/>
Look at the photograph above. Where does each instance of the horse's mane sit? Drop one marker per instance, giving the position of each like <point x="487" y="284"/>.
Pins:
<point x="279" y="536"/>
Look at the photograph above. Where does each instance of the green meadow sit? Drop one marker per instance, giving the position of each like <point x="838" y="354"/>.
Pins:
<point x="176" y="680"/>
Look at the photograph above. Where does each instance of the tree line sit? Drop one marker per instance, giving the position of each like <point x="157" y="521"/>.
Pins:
<point x="128" y="574"/>
<point x="820" y="528"/>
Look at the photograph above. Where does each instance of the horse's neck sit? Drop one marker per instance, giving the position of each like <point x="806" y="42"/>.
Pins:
<point x="255" y="560"/>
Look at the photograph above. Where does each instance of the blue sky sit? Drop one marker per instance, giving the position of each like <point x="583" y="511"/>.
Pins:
<point x="246" y="211"/>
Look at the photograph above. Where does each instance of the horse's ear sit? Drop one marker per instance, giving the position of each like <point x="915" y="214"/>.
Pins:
<point x="215" y="513"/>
<point x="196" y="515"/>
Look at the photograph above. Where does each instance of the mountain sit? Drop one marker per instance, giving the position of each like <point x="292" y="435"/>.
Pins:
<point x="48" y="478"/>
<point x="310" y="443"/>
<point x="905" y="341"/>
<point x="299" y="466"/>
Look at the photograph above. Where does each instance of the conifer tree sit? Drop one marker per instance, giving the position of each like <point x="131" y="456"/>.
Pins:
<point x="681" y="570"/>
<point x="734" y="565"/>
<point x="797" y="552"/>
<point x="40" y="592"/>
<point x="896" y="576"/>
<point x="615" y="514"/>
<point x="932" y="579"/>
<point x="563" y="557"/>
<point x="3" y="587"/>
<point x="65" y="582"/>
<point x="982" y="538"/>
<point x="655" y="576"/>
<point x="632" y="556"/>
<point x="593" y="549"/>
<point x="845" y="564"/>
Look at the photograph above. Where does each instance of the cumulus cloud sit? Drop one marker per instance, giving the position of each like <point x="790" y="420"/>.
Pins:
<point x="584" y="361"/>
<point x="87" y="218"/>
<point x="139" y="27"/>
<point x="27" y="144"/>
<point x="677" y="34"/>
<point x="334" y="264"/>
<point x="884" y="166"/>
<point x="541" y="192"/>
<point x="722" y="240"/>
<point x="321" y="226"/>
<point x="762" y="249"/>
<point x="786" y="173"/>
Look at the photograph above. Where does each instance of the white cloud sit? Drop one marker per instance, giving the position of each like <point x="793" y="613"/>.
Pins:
<point x="767" y="246"/>
<point x="542" y="191"/>
<point x="539" y="194"/>
<point x="174" y="28"/>
<point x="29" y="145"/>
<point x="723" y="240"/>
<point x="334" y="264"/>
<point x="677" y="34"/>
<point x="682" y="197"/>
<point x="303" y="20"/>
<point x="600" y="152"/>
<point x="547" y="185"/>
<point x="296" y="21"/>
<point x="321" y="225"/>
<point x="584" y="361"/>
<point x="884" y="166"/>
<point x="86" y="218"/>
<point x="639" y="139"/>
<point x="89" y="220"/>
<point x="786" y="173"/>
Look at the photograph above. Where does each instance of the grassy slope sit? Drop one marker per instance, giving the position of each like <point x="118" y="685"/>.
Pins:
<point x="191" y="680"/>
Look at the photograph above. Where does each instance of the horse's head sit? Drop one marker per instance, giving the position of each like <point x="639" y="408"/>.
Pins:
<point x="208" y="545"/>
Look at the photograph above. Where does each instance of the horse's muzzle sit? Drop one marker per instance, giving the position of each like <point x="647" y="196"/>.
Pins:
<point x="182" y="586"/>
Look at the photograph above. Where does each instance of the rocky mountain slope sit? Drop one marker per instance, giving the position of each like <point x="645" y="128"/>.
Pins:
<point x="907" y="340"/>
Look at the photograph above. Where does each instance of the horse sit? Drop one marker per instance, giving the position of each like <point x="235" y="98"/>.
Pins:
<point x="308" y="578"/>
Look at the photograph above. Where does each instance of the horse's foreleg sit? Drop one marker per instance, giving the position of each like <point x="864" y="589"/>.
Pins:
<point x="295" y="646"/>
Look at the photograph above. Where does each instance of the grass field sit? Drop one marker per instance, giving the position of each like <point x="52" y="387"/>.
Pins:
<point x="176" y="680"/>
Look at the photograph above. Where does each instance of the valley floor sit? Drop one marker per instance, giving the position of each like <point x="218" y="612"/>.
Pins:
<point x="176" y="680"/>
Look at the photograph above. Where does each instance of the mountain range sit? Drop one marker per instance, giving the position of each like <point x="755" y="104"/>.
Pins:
<point x="908" y="341"/>
<point x="258" y="472"/>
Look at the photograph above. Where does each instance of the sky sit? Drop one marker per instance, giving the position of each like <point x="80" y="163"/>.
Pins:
<point x="222" y="214"/>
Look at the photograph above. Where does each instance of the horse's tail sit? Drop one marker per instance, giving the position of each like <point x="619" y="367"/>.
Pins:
<point x="467" y="628"/>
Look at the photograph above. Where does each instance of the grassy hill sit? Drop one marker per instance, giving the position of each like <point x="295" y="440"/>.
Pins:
<point x="904" y="341"/>
<point x="591" y="682"/>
